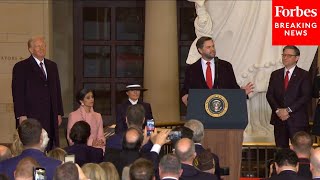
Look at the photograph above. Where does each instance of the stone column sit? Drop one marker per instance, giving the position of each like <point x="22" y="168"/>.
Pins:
<point x="161" y="59"/>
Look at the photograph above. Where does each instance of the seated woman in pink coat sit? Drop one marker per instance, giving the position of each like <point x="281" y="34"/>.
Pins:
<point x="85" y="112"/>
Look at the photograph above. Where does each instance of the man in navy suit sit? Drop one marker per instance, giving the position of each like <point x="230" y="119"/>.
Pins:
<point x="209" y="72"/>
<point x="133" y="91"/>
<point x="36" y="90"/>
<point x="315" y="163"/>
<point x="288" y="95"/>
<point x="30" y="135"/>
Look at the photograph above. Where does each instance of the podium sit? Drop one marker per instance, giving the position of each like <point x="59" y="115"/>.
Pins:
<point x="223" y="113"/>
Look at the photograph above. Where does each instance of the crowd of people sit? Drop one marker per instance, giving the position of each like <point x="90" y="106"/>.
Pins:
<point x="139" y="156"/>
<point x="132" y="153"/>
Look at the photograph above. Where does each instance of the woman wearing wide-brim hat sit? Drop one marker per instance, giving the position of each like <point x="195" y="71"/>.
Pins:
<point x="133" y="91"/>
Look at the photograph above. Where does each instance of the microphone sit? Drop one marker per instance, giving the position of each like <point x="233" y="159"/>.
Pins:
<point x="216" y="79"/>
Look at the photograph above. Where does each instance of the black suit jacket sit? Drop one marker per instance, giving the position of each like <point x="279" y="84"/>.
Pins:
<point x="288" y="175"/>
<point x="121" y="158"/>
<point x="35" y="96"/>
<point x="191" y="173"/>
<point x="121" y="124"/>
<point x="297" y="96"/>
<point x="199" y="149"/>
<point x="85" y="154"/>
<point x="304" y="168"/>
<point x="224" y="77"/>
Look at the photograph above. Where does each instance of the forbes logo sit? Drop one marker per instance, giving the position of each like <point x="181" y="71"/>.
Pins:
<point x="297" y="12"/>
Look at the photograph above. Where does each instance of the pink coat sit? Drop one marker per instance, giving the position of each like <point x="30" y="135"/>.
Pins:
<point x="94" y="119"/>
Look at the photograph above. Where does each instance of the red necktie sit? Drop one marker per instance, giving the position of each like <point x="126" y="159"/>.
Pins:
<point x="286" y="80"/>
<point x="42" y="69"/>
<point x="209" y="76"/>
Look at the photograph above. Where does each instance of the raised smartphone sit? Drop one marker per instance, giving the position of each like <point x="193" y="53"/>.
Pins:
<point x="150" y="126"/>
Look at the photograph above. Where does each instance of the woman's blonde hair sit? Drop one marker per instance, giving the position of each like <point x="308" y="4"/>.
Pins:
<point x="110" y="170"/>
<point x="57" y="153"/>
<point x="93" y="171"/>
<point x="16" y="146"/>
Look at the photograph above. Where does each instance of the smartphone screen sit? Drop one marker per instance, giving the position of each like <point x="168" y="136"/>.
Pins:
<point x="39" y="173"/>
<point x="174" y="135"/>
<point x="69" y="158"/>
<point x="150" y="126"/>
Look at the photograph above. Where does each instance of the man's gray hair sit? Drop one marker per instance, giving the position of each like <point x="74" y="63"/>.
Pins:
<point x="170" y="164"/>
<point x="197" y="128"/>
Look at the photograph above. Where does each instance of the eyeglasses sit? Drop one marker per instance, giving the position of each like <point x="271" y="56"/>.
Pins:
<point x="288" y="55"/>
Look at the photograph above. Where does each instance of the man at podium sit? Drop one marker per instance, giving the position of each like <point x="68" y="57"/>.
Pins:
<point x="210" y="72"/>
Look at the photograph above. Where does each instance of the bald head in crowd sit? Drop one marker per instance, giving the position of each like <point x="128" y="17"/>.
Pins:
<point x="5" y="153"/>
<point x="185" y="151"/>
<point x="132" y="139"/>
<point x="24" y="170"/>
<point x="315" y="163"/>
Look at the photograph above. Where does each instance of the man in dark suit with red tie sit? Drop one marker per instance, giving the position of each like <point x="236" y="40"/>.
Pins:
<point x="209" y="72"/>
<point x="36" y="90"/>
<point x="288" y="95"/>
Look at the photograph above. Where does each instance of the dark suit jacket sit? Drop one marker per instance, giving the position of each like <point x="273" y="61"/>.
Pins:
<point x="9" y="166"/>
<point x="304" y="168"/>
<point x="288" y="175"/>
<point x="85" y="154"/>
<point x="115" y="141"/>
<point x="199" y="149"/>
<point x="121" y="124"/>
<point x="121" y="158"/>
<point x="191" y="173"/>
<point x="224" y="77"/>
<point x="35" y="96"/>
<point x="297" y="96"/>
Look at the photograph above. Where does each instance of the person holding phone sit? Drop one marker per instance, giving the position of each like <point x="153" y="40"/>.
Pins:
<point x="133" y="91"/>
<point x="85" y="112"/>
